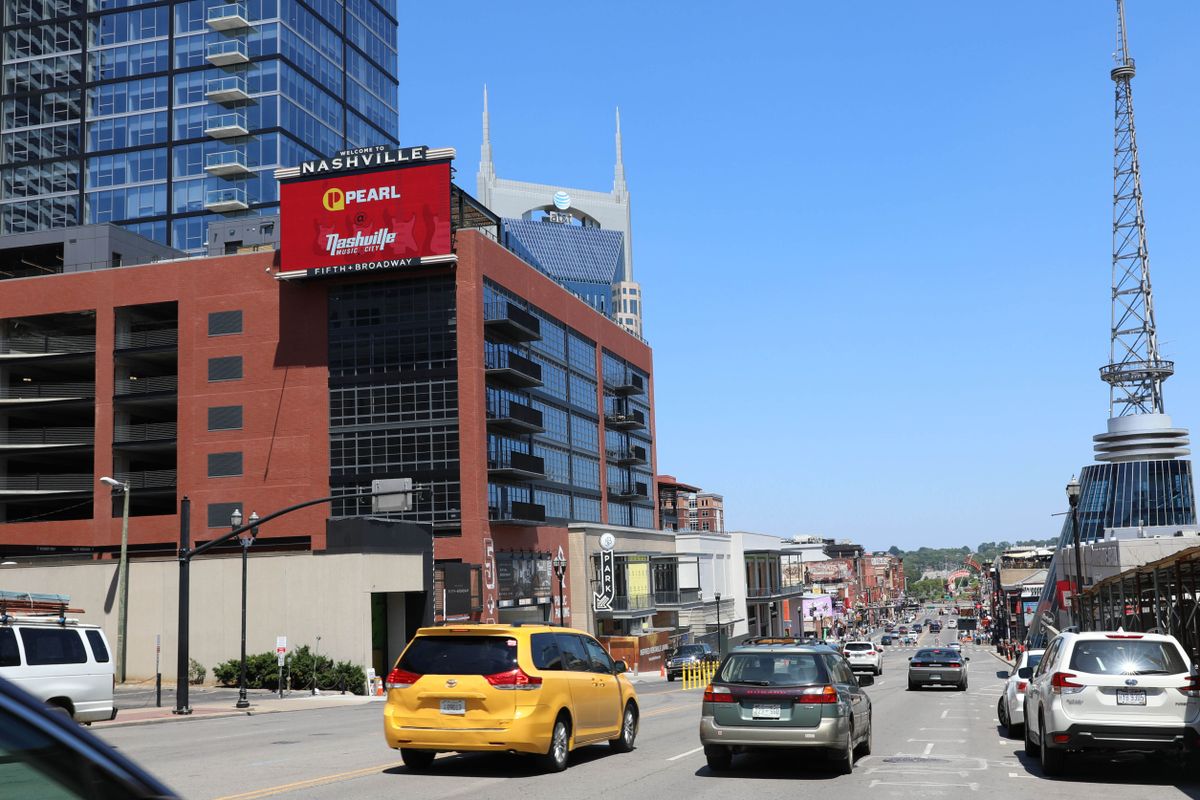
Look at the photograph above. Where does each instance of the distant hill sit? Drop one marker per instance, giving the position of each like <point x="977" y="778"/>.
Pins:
<point x="925" y="559"/>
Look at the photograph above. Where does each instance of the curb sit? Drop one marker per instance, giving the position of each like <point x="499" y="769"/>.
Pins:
<point x="216" y="715"/>
<point x="1001" y="658"/>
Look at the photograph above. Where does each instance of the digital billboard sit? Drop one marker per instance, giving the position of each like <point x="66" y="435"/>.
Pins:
<point x="364" y="222"/>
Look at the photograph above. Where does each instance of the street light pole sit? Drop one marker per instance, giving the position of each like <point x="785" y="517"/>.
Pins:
<point x="720" y="636"/>
<point x="1073" y="491"/>
<point x="122" y="575"/>
<point x="235" y="522"/>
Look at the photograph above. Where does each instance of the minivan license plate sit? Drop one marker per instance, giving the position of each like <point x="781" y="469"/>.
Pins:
<point x="766" y="712"/>
<point x="454" y="706"/>
<point x="1135" y="697"/>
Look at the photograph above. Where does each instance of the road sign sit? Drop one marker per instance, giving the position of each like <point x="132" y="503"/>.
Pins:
<point x="602" y="600"/>
<point x="280" y="645"/>
<point x="393" y="494"/>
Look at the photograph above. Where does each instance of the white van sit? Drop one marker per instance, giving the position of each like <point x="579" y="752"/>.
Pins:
<point x="64" y="664"/>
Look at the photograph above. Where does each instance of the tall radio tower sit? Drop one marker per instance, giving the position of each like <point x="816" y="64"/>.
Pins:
<point x="1135" y="373"/>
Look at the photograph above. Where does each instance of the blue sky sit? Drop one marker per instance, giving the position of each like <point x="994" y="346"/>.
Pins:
<point x="874" y="238"/>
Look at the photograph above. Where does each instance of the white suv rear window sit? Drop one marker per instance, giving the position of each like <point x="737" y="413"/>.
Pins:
<point x="859" y="646"/>
<point x="1127" y="657"/>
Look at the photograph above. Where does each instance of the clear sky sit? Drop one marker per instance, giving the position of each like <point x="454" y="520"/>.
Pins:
<point x="874" y="237"/>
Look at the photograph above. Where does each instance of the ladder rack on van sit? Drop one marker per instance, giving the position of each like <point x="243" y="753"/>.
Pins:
<point x="33" y="604"/>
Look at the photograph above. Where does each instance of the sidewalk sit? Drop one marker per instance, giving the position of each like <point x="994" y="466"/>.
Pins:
<point x="212" y="710"/>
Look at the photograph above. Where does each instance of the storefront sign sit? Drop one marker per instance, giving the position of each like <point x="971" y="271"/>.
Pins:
<point x="523" y="579"/>
<point x="456" y="589"/>
<point x="602" y="600"/>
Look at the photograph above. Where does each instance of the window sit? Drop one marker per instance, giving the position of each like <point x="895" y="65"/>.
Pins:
<point x="44" y="646"/>
<point x="601" y="660"/>
<point x="574" y="653"/>
<point x="224" y="465"/>
<point x="776" y="669"/>
<point x="546" y="654"/>
<point x="1127" y="657"/>
<point x="99" y="649"/>
<point x="219" y="513"/>
<point x="224" y="323"/>
<point x="459" y="655"/>
<point x="10" y="656"/>
<point x="225" y="368"/>
<point x="225" y="418"/>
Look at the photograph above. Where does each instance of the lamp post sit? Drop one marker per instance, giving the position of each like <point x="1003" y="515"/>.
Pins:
<point x="720" y="637"/>
<point x="560" y="569"/>
<point x="1073" y="491"/>
<point x="122" y="575"/>
<point x="247" y="539"/>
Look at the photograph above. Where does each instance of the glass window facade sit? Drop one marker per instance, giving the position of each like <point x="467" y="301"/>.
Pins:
<point x="83" y="83"/>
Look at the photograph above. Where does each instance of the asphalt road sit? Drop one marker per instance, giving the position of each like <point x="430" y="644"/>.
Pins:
<point x="931" y="743"/>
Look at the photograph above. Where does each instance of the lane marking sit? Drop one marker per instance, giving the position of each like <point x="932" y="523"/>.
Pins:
<point x="311" y="782"/>
<point x="685" y="755"/>
<point x="666" y="710"/>
<point x="929" y="748"/>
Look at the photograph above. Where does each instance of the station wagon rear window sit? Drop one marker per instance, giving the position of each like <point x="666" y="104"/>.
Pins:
<point x="1127" y="657"/>
<point x="460" y="655"/>
<point x="52" y="646"/>
<point x="774" y="669"/>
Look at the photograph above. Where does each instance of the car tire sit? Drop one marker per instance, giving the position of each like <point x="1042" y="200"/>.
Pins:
<point x="629" y="730"/>
<point x="417" y="760"/>
<point x="844" y="760"/>
<point x="559" y="750"/>
<point x="1030" y="748"/>
<point x="1002" y="717"/>
<point x="962" y="687"/>
<point x="1053" y="761"/>
<point x="912" y="687"/>
<point x="719" y="758"/>
<point x="670" y="678"/>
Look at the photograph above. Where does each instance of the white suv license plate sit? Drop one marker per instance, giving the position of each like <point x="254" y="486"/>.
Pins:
<point x="765" y="712"/>
<point x="1135" y="697"/>
<point x="454" y="706"/>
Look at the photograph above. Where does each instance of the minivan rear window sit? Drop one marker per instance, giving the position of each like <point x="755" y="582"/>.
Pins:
<point x="52" y="646"/>
<point x="99" y="651"/>
<point x="460" y="655"/>
<point x="1127" y="657"/>
<point x="774" y="669"/>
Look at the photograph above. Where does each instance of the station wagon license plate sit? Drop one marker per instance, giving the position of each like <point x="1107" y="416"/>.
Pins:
<point x="765" y="712"/>
<point x="454" y="706"/>
<point x="1133" y="697"/>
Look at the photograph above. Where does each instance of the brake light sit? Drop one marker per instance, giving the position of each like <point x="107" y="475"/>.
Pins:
<point x="717" y="694"/>
<point x="514" y="679"/>
<point x="1061" y="683"/>
<point x="400" y="679"/>
<point x="870" y="652"/>
<point x="1122" y="635"/>
<point x="1022" y="686"/>
<point x="818" y="694"/>
<point x="1192" y="689"/>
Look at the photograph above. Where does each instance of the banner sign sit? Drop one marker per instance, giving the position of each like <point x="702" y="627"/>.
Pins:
<point x="523" y="579"/>
<point x="456" y="583"/>
<point x="346" y="224"/>
<point x="602" y="600"/>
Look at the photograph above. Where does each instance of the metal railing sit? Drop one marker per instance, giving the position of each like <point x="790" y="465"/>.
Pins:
<point x="675" y="597"/>
<point x="516" y="510"/>
<point x="65" y="482"/>
<point x="229" y="47"/>
<point x="148" y="479"/>
<point x="226" y="158"/>
<point x="157" y="383"/>
<point x="148" y="432"/>
<point x="66" y="389"/>
<point x="232" y="83"/>
<point x="634" y="602"/>
<point x="230" y="120"/>
<point x="219" y="196"/>
<point x="159" y="338"/>
<point x="228" y="11"/>
<point x="48" y="344"/>
<point x="63" y="435"/>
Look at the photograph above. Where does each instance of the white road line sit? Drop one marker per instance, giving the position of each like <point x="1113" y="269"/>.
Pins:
<point x="685" y="755"/>
<point x="929" y="748"/>
<point x="943" y="741"/>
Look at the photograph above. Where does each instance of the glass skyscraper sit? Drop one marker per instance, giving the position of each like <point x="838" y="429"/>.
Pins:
<point x="162" y="115"/>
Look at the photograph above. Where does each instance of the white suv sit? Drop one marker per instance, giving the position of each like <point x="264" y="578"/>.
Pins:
<point x="1011" y="708"/>
<point x="1115" y="691"/>
<point x="864" y="655"/>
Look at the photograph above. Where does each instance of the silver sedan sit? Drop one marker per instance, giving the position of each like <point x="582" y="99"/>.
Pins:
<point x="937" y="666"/>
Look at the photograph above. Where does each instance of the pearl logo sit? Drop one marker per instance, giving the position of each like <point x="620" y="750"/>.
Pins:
<point x="562" y="201"/>
<point x="334" y="200"/>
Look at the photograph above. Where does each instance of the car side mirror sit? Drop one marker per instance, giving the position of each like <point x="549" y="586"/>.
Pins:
<point x="1025" y="672"/>
<point x="966" y="658"/>
<point x="866" y="680"/>
<point x="619" y="667"/>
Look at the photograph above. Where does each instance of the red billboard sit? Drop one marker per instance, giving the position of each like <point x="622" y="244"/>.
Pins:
<point x="365" y="222"/>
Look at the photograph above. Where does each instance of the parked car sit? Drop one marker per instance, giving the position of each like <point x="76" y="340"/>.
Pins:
<point x="937" y="666"/>
<point x="532" y="689"/>
<point x="789" y="697"/>
<point x="951" y="624"/>
<point x="66" y="665"/>
<point x="903" y="629"/>
<point x="886" y="639"/>
<point x="1116" y="692"/>
<point x="1011" y="708"/>
<point x="44" y="754"/>
<point x="689" y="655"/>
<point x="863" y="655"/>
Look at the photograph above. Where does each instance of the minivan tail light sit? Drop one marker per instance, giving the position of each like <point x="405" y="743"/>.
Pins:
<point x="400" y="679"/>
<point x="514" y="679"/>
<point x="717" y="694"/>
<point x="1192" y="688"/>
<point x="1061" y="683"/>
<point x="818" y="694"/>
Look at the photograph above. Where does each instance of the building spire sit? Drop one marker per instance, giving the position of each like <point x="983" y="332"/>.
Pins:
<point x="619" y="187"/>
<point x="486" y="176"/>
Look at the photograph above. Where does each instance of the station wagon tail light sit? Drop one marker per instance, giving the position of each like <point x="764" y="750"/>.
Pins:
<point x="514" y="679"/>
<point x="1192" y="688"/>
<point x="717" y="694"/>
<point x="400" y="679"/>
<point x="1061" y="683"/>
<point x="818" y="694"/>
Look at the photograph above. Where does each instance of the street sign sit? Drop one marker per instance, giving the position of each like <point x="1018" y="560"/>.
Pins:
<point x="393" y="494"/>
<point x="602" y="600"/>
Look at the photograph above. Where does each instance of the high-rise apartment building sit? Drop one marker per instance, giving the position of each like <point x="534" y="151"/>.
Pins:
<point x="161" y="116"/>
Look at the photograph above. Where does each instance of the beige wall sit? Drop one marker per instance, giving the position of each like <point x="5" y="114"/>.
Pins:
<point x="298" y="595"/>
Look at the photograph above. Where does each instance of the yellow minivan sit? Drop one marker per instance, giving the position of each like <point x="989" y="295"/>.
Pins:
<point x="531" y="689"/>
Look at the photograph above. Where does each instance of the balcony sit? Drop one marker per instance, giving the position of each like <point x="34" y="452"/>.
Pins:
<point x="635" y="603"/>
<point x="507" y="367"/>
<point x="231" y="89"/>
<point x="513" y="417"/>
<point x="627" y="457"/>
<point x="517" y="513"/>
<point x="149" y="432"/>
<point x="45" y="392"/>
<point x="632" y="492"/>
<point x="148" y="479"/>
<point x="773" y="591"/>
<point x="46" y="484"/>
<point x="135" y="340"/>
<point x="228" y="17"/>
<point x="225" y="126"/>
<point x="46" y="437"/>
<point x="224" y="53"/>
<point x="511" y="322"/>
<point x="227" y="164"/>
<point x="516" y="466"/>
<point x="677" y="597"/>
<point x="224" y="200"/>
<point x="625" y="419"/>
<point x="22" y="346"/>
<point x="124" y="387"/>
<point x="625" y="385"/>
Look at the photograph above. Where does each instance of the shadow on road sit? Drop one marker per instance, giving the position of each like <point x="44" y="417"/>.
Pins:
<point x="766" y="765"/>
<point x="1121" y="770"/>
<point x="501" y="765"/>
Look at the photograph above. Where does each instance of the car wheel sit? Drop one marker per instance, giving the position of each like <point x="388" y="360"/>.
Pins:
<point x="912" y="687"/>
<point x="1030" y="748"/>
<point x="719" y="758"/>
<point x="1002" y="716"/>
<point x="555" y="759"/>
<point x="417" y="760"/>
<point x="962" y="687"/>
<point x="670" y="678"/>
<point x="1052" y="760"/>
<point x="629" y="729"/>
<point x="844" y="760"/>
